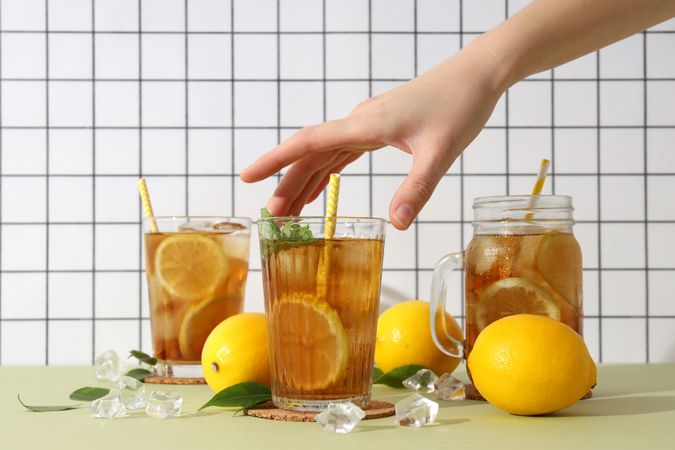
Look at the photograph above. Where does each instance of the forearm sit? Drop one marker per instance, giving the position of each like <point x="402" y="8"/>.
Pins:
<point x="548" y="33"/>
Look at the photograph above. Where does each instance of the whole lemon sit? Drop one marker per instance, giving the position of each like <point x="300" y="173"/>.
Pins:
<point x="528" y="364"/>
<point x="404" y="337"/>
<point x="237" y="351"/>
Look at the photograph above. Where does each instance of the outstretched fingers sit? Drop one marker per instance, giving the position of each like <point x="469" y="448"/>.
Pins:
<point x="416" y="189"/>
<point x="324" y="137"/>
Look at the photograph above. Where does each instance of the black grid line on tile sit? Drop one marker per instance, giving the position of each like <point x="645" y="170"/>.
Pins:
<point x="460" y="160"/>
<point x="415" y="225"/>
<point x="232" y="133"/>
<point x="295" y="127"/>
<point x="47" y="147"/>
<point x="140" y="169"/>
<point x="370" y="94"/>
<point x="351" y="174"/>
<point x="186" y="93"/>
<point x="93" y="183"/>
<point x="170" y="32"/>
<point x="598" y="143"/>
<point x="645" y="198"/>
<point x="299" y="80"/>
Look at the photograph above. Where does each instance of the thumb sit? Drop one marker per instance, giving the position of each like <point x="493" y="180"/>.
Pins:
<point x="416" y="189"/>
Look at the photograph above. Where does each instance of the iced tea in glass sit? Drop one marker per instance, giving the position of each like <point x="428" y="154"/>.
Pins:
<point x="523" y="258"/>
<point x="321" y="301"/>
<point x="196" y="269"/>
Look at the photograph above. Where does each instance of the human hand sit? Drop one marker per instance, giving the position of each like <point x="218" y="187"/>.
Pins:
<point x="432" y="117"/>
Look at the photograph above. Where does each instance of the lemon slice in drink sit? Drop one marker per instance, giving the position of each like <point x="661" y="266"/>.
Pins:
<point x="190" y="266"/>
<point x="512" y="296"/>
<point x="312" y="345"/>
<point x="559" y="263"/>
<point x="198" y="322"/>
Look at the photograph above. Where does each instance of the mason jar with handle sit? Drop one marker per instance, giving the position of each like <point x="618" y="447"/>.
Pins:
<point x="523" y="258"/>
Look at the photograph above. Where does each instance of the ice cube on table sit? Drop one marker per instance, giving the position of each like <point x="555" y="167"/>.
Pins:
<point x="450" y="388"/>
<point x="415" y="411"/>
<point x="422" y="381"/>
<point x="108" y="366"/>
<point x="132" y="392"/>
<point x="197" y="225"/>
<point x="340" y="417"/>
<point x="108" y="407"/>
<point x="164" y="404"/>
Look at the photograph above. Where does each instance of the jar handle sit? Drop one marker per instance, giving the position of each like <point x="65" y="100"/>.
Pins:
<point x="439" y="288"/>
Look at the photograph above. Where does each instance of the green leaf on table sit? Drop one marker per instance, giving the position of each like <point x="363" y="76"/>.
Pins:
<point x="88" y="394"/>
<point x="143" y="357"/>
<point x="35" y="408"/>
<point x="377" y="373"/>
<point x="139" y="373"/>
<point x="395" y="377"/>
<point x="242" y="395"/>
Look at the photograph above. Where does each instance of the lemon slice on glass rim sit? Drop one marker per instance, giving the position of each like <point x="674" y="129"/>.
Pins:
<point x="511" y="296"/>
<point x="190" y="266"/>
<point x="313" y="345"/>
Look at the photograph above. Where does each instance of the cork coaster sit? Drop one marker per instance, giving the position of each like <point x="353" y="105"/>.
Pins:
<point x="473" y="394"/>
<point x="374" y="410"/>
<point x="173" y="380"/>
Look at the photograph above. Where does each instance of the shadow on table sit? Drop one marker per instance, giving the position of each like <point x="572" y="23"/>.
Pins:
<point x="389" y="426"/>
<point x="619" y="406"/>
<point x="635" y="380"/>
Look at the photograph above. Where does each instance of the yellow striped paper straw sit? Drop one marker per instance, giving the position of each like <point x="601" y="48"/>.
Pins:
<point x="147" y="206"/>
<point x="538" y="186"/>
<point x="331" y="205"/>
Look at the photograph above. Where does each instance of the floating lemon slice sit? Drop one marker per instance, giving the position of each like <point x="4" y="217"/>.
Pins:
<point x="190" y="266"/>
<point x="559" y="263"/>
<point x="312" y="345"/>
<point x="198" y="322"/>
<point x="514" y="296"/>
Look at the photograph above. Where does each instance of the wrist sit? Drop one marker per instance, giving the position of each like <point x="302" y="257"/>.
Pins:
<point x="496" y="67"/>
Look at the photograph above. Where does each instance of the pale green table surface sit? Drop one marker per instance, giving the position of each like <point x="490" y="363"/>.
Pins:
<point x="633" y="407"/>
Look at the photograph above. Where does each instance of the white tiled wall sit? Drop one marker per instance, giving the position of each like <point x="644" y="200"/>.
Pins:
<point x="95" y="93"/>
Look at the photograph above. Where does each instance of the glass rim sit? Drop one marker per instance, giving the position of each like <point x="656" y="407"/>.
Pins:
<point x="183" y="217"/>
<point x="321" y="219"/>
<point x="566" y="200"/>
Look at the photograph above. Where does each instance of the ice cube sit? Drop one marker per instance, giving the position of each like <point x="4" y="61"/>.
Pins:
<point x="228" y="227"/>
<point x="340" y="417"/>
<point x="422" y="381"/>
<point x="132" y="392"/>
<point x="236" y="247"/>
<point x="450" y="388"/>
<point x="108" y="366"/>
<point x="109" y="406"/>
<point x="197" y="225"/>
<point x="415" y="411"/>
<point x="164" y="404"/>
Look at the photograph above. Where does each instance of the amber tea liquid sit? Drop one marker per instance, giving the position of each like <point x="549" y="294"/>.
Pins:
<point x="196" y="279"/>
<point x="322" y="303"/>
<point x="522" y="273"/>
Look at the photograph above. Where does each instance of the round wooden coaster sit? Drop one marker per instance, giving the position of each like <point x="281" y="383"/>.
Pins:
<point x="473" y="394"/>
<point x="374" y="410"/>
<point x="173" y="380"/>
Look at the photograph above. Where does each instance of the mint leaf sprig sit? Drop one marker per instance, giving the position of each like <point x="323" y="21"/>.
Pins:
<point x="290" y="234"/>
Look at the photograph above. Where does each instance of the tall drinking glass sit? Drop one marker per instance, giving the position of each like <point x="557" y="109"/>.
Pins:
<point x="196" y="269"/>
<point x="321" y="302"/>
